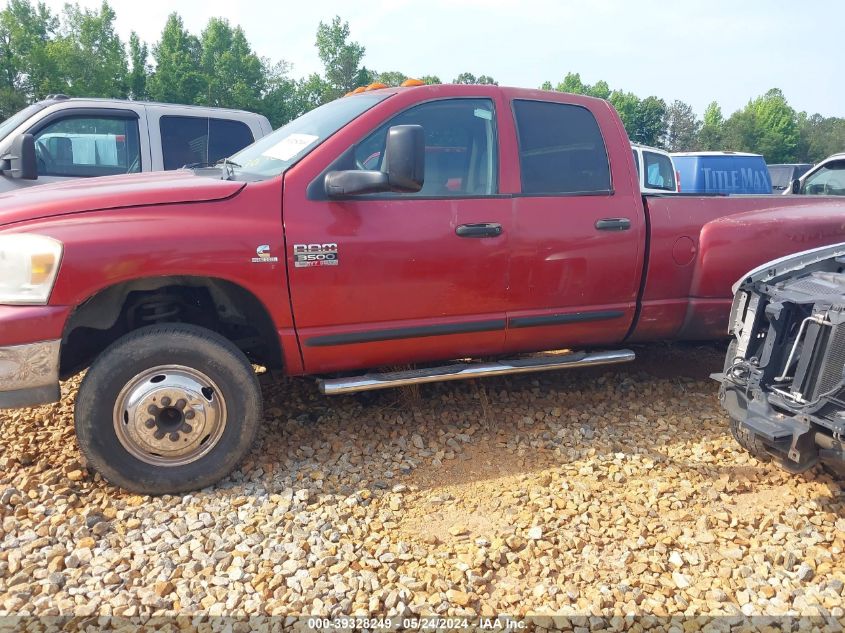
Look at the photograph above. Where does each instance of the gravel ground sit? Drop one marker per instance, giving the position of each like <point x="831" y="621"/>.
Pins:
<point x="599" y="492"/>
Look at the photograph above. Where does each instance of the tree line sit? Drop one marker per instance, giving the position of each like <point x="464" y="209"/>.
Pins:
<point x="767" y="125"/>
<point x="79" y="53"/>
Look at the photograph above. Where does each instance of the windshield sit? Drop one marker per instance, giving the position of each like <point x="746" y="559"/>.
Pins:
<point x="16" y="119"/>
<point x="273" y="154"/>
<point x="827" y="181"/>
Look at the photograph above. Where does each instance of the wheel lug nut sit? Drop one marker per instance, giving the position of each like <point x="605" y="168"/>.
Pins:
<point x="186" y="428"/>
<point x="181" y="403"/>
<point x="166" y="401"/>
<point x="152" y="409"/>
<point x="174" y="437"/>
<point x="159" y="434"/>
<point x="150" y="423"/>
<point x="190" y="414"/>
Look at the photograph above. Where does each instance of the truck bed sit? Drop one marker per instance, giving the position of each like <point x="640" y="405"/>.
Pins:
<point x="693" y="255"/>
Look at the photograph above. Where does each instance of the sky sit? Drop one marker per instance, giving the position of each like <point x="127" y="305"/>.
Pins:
<point x="697" y="52"/>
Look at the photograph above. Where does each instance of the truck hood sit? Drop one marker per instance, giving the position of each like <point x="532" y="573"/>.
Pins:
<point x="772" y="271"/>
<point x="112" y="192"/>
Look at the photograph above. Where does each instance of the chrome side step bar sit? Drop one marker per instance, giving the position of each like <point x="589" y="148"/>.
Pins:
<point x="464" y="371"/>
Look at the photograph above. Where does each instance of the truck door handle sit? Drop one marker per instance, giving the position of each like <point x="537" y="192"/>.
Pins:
<point x="613" y="224"/>
<point x="482" y="229"/>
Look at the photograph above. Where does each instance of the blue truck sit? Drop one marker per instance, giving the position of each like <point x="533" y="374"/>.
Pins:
<point x="722" y="172"/>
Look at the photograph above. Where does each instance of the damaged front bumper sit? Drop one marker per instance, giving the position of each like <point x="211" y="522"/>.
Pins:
<point x="797" y="442"/>
<point x="29" y="374"/>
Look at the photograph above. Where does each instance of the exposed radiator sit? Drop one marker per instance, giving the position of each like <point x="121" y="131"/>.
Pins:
<point x="831" y="364"/>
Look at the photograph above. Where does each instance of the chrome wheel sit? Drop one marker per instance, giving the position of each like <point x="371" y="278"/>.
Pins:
<point x="169" y="415"/>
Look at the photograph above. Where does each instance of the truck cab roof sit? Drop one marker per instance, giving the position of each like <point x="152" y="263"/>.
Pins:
<point x="101" y="101"/>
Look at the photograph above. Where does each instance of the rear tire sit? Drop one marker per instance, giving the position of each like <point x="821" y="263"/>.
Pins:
<point x="168" y="408"/>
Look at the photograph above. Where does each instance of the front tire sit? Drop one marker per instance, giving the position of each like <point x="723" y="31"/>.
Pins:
<point x="168" y="408"/>
<point x="745" y="439"/>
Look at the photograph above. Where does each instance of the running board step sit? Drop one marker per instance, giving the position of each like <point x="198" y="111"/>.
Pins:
<point x="464" y="371"/>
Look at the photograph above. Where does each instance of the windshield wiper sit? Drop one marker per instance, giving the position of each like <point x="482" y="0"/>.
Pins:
<point x="229" y="166"/>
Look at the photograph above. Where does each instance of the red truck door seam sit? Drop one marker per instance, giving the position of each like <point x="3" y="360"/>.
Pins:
<point x="287" y="274"/>
<point x="638" y="308"/>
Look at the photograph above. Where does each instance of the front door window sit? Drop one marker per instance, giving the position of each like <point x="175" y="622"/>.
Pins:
<point x="79" y="146"/>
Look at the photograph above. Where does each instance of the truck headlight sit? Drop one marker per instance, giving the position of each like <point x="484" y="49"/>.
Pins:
<point x="28" y="268"/>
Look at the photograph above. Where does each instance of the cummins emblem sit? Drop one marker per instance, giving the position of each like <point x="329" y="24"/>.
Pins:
<point x="308" y="255"/>
<point x="264" y="255"/>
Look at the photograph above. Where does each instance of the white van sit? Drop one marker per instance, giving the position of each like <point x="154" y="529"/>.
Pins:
<point x="655" y="169"/>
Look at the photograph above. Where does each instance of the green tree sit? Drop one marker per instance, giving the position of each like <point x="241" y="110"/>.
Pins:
<point x="232" y="74"/>
<point x="177" y="77"/>
<point x="465" y="78"/>
<point x="649" y="124"/>
<point x="341" y="59"/>
<point x="681" y="127"/>
<point x="27" y="70"/>
<point x="390" y="77"/>
<point x="89" y="57"/>
<point x="430" y="80"/>
<point x="469" y="79"/>
<point x="282" y="101"/>
<point x="819" y="137"/>
<point x="739" y="133"/>
<point x="626" y="104"/>
<point x="777" y="127"/>
<point x="600" y="89"/>
<point x="139" y="69"/>
<point x="313" y="91"/>
<point x="768" y="125"/>
<point x="573" y="84"/>
<point x="712" y="128"/>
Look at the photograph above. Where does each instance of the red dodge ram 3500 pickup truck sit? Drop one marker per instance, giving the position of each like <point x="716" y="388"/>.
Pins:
<point x="412" y="225"/>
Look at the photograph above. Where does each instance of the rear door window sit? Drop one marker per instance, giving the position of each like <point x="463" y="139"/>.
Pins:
<point x="201" y="140"/>
<point x="561" y="150"/>
<point x="88" y="145"/>
<point x="184" y="140"/>
<point x="659" y="173"/>
<point x="227" y="137"/>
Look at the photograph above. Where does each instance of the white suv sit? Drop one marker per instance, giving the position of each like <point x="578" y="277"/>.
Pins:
<point x="78" y="138"/>
<point x="655" y="170"/>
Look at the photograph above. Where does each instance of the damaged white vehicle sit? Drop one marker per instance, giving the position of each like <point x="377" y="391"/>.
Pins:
<point x="784" y="379"/>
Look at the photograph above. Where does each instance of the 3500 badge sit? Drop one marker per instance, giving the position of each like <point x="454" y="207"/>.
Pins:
<point x="307" y="255"/>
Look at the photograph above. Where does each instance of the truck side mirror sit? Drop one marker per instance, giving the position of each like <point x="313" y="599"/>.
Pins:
<point x="404" y="158"/>
<point x="796" y="186"/>
<point x="19" y="161"/>
<point x="402" y="170"/>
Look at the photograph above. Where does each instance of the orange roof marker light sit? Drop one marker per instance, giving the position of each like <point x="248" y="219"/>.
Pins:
<point x="376" y="86"/>
<point x="358" y="89"/>
<point x="411" y="82"/>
